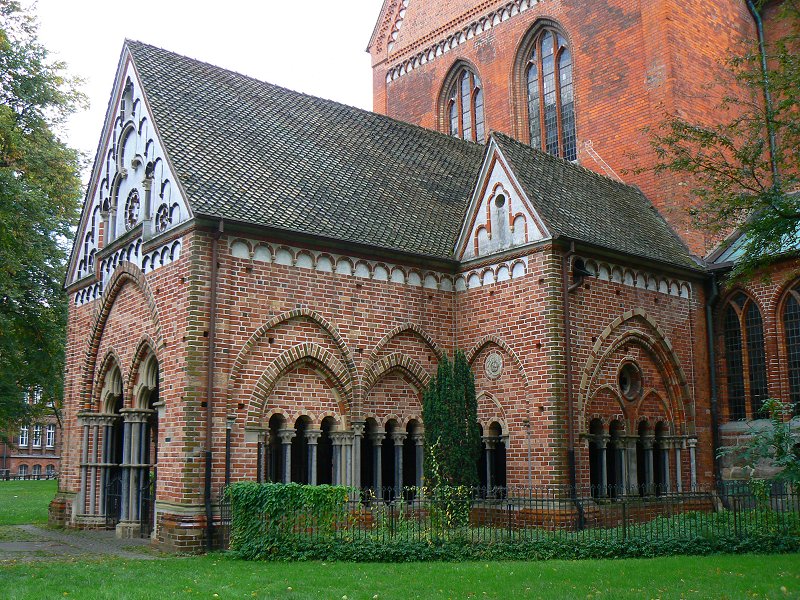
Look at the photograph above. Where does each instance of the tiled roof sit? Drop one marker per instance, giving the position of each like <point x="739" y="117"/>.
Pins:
<point x="581" y="205"/>
<point x="258" y="153"/>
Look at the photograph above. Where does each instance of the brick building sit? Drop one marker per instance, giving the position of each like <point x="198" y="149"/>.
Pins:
<point x="33" y="451"/>
<point x="263" y="281"/>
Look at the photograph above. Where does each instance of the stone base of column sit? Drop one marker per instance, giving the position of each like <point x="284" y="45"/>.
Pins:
<point x="127" y="530"/>
<point x="91" y="522"/>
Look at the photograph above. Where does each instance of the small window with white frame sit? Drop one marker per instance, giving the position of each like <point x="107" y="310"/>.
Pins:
<point x="23" y="470"/>
<point x="50" y="436"/>
<point x="37" y="436"/>
<point x="37" y="471"/>
<point x="23" y="436"/>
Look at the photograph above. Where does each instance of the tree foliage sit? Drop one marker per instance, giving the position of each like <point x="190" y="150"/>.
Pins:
<point x="39" y="199"/>
<point x="452" y="433"/>
<point x="776" y="446"/>
<point x="729" y="166"/>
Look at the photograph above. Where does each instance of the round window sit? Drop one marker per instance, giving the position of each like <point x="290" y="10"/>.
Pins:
<point x="630" y="381"/>
<point x="132" y="207"/>
<point x="500" y="201"/>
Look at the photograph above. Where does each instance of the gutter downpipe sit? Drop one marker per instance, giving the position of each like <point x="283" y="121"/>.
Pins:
<point x="712" y="371"/>
<point x="767" y="94"/>
<point x="566" y="290"/>
<point x="212" y="333"/>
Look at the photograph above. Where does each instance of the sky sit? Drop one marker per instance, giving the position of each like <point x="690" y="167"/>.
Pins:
<point x="313" y="46"/>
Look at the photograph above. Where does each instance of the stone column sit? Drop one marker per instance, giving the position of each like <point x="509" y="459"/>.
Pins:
<point x="286" y="436"/>
<point x="347" y="458"/>
<point x="95" y="461"/>
<point x="398" y="437"/>
<point x="312" y="437"/>
<point x="647" y="444"/>
<point x="419" y="457"/>
<point x="108" y="423"/>
<point x="358" y="434"/>
<point x="632" y="467"/>
<point x="489" y="445"/>
<point x="622" y="467"/>
<point x="337" y="440"/>
<point x="602" y="446"/>
<point x="693" y="462"/>
<point x="678" y="467"/>
<point x="668" y="445"/>
<point x="377" y="461"/>
<point x="83" y="420"/>
<point x="126" y="470"/>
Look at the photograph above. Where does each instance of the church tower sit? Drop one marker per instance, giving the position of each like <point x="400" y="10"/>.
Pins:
<point x="578" y="80"/>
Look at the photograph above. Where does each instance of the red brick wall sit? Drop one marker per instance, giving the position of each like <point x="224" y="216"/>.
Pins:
<point x="633" y="63"/>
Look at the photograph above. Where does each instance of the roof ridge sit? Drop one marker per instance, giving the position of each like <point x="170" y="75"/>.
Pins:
<point x="568" y="163"/>
<point x="405" y="124"/>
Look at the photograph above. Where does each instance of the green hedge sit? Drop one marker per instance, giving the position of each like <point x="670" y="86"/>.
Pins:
<point x="296" y="522"/>
<point x="371" y="550"/>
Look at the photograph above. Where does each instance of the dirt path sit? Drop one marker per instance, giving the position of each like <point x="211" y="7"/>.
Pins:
<point x="32" y="542"/>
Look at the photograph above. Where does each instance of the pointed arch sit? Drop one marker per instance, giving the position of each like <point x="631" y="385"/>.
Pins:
<point x="126" y="273"/>
<point x="300" y="313"/>
<point x="102" y="385"/>
<point x="410" y="328"/>
<point x="395" y="362"/>
<point x="303" y="354"/>
<point x="652" y="339"/>
<point x="461" y="103"/>
<point x="493" y="339"/>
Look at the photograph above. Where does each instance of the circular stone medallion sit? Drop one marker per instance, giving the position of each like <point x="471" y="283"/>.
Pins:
<point x="494" y="365"/>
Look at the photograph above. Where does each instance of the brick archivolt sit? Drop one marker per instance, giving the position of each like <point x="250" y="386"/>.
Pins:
<point x="396" y="362"/>
<point x="412" y="328"/>
<point x="380" y="271"/>
<point x="125" y="274"/>
<point x="494" y="340"/>
<point x="635" y="328"/>
<point x="332" y="369"/>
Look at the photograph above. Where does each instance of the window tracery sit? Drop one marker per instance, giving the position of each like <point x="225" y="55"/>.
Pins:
<point x="465" y="114"/>
<point x="132" y="208"/>
<point x="550" y="95"/>
<point x="791" y="326"/>
<point x="743" y="336"/>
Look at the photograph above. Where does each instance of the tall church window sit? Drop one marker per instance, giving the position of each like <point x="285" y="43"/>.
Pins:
<point x="745" y="358"/>
<point x="464" y="110"/>
<point x="551" y="105"/>
<point x="791" y="326"/>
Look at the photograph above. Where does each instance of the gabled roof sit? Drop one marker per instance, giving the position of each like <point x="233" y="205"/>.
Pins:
<point x="257" y="153"/>
<point x="581" y="205"/>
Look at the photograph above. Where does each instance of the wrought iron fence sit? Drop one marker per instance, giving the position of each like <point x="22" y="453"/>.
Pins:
<point x="531" y="514"/>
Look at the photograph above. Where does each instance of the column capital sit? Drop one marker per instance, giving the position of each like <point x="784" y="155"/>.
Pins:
<point x="358" y="429"/>
<point x="398" y="437"/>
<point x="135" y="415"/>
<point x="286" y="435"/>
<point x="376" y="436"/>
<point x="419" y="438"/>
<point x="692" y="442"/>
<point x="313" y="435"/>
<point x="648" y="441"/>
<point x="339" y="437"/>
<point x="490" y="441"/>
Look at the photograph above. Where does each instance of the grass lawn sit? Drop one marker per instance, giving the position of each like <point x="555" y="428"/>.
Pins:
<point x="747" y="576"/>
<point x="23" y="502"/>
